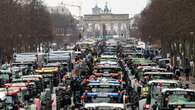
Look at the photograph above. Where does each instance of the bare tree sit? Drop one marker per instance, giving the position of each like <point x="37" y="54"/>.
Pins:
<point x="65" y="28"/>
<point x="24" y="25"/>
<point x="173" y="23"/>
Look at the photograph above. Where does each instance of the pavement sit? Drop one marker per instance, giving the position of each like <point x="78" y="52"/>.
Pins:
<point x="141" y="104"/>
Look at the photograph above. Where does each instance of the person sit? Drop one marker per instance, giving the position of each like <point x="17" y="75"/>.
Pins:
<point x="155" y="106"/>
<point x="137" y="86"/>
<point x="54" y="102"/>
<point x="73" y="85"/>
<point x="77" y="48"/>
<point x="67" y="100"/>
<point x="76" y="67"/>
<point x="31" y="106"/>
<point x="177" y="72"/>
<point x="48" y="104"/>
<point x="84" y="68"/>
<point x="186" y="86"/>
<point x="187" y="69"/>
<point x="145" y="80"/>
<point x="168" y="67"/>
<point x="37" y="103"/>
<point x="187" y="73"/>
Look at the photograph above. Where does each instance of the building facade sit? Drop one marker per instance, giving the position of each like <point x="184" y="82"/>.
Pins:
<point x="59" y="9"/>
<point x="103" y="22"/>
<point x="61" y="19"/>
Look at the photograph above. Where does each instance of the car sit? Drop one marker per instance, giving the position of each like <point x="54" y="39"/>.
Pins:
<point x="108" y="92"/>
<point x="142" y="62"/>
<point x="103" y="88"/>
<point x="30" y="58"/>
<point x="177" y="99"/>
<point x="50" y="75"/>
<point x="37" y="79"/>
<point x="164" y="62"/>
<point x="11" y="98"/>
<point x="108" y="70"/>
<point x="151" y="69"/>
<point x="154" y="90"/>
<point x="109" y="53"/>
<point x="28" y="89"/>
<point x="31" y="84"/>
<point x="143" y="69"/>
<point x="108" y="101"/>
<point x="103" y="106"/>
<point x="158" y="75"/>
<point x="107" y="58"/>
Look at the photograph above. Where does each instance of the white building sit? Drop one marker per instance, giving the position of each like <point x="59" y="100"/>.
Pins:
<point x="59" y="9"/>
<point x="103" y="22"/>
<point x="97" y="10"/>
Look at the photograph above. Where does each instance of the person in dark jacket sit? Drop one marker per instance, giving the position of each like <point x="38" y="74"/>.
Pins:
<point x="187" y="69"/>
<point x="155" y="106"/>
<point x="187" y="73"/>
<point x="67" y="100"/>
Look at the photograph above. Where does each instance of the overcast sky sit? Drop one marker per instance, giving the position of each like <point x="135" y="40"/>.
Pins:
<point x="131" y="7"/>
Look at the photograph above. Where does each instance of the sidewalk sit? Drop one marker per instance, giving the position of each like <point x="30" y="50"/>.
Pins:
<point x="191" y="81"/>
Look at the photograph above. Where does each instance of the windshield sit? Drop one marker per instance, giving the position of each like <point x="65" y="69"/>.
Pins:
<point x="164" y="62"/>
<point x="180" y="97"/>
<point x="18" y="80"/>
<point x="109" y="53"/>
<point x="48" y="75"/>
<point x="108" y="70"/>
<point x="158" y="76"/>
<point x="108" y="59"/>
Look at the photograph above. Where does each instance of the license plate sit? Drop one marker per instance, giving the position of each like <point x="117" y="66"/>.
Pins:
<point x="102" y="94"/>
<point x="104" y="86"/>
